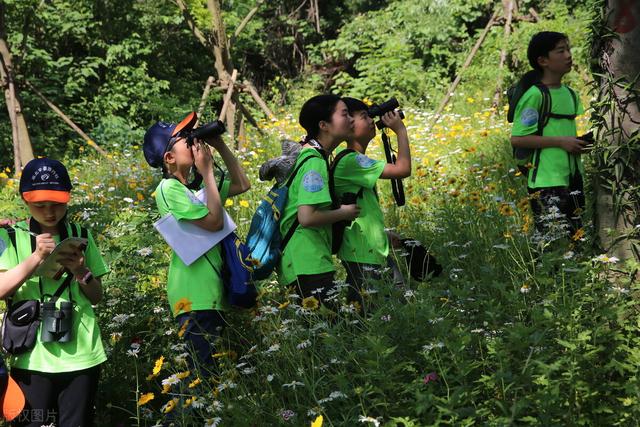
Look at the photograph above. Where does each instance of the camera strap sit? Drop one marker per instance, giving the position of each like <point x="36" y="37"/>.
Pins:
<point x="396" y="184"/>
<point x="196" y="182"/>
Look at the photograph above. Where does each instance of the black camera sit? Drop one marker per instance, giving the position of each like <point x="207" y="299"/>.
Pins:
<point x="349" y="198"/>
<point x="56" y="323"/>
<point x="377" y="110"/>
<point x="205" y="131"/>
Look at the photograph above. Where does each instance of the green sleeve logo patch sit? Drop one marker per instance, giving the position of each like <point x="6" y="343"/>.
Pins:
<point x="364" y="161"/>
<point x="529" y="116"/>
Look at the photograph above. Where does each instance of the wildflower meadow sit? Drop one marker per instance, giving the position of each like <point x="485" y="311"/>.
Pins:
<point x="521" y="328"/>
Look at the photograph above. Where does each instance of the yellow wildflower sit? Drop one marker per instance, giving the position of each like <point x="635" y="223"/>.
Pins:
<point x="317" y="422"/>
<point x="183" y="304"/>
<point x="170" y="405"/>
<point x="283" y="305"/>
<point x="310" y="303"/>
<point x="189" y="401"/>
<point x="506" y="209"/>
<point x="158" y="365"/>
<point x="228" y="203"/>
<point x="183" y="328"/>
<point x="145" y="398"/>
<point x="579" y="234"/>
<point x="194" y="383"/>
<point x="244" y="203"/>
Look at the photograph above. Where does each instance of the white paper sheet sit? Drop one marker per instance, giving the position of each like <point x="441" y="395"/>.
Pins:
<point x="188" y="240"/>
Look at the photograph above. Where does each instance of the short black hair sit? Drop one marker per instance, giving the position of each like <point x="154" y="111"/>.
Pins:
<point x="354" y="105"/>
<point x="541" y="44"/>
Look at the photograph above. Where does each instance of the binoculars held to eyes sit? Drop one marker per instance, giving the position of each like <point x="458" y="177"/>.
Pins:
<point x="377" y="110"/>
<point x="203" y="132"/>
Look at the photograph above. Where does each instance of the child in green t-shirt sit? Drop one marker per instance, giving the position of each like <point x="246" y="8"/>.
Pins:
<point x="306" y="263"/>
<point x="555" y="176"/>
<point x="58" y="372"/>
<point x="365" y="246"/>
<point x="195" y="291"/>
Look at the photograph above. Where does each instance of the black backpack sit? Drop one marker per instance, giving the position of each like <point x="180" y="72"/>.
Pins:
<point x="525" y="156"/>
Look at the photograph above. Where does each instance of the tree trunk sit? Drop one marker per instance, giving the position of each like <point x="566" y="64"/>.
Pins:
<point x="617" y="117"/>
<point x="21" y="143"/>
<point x="222" y="57"/>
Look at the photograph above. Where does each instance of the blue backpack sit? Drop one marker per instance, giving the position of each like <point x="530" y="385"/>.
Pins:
<point x="236" y="272"/>
<point x="264" y="240"/>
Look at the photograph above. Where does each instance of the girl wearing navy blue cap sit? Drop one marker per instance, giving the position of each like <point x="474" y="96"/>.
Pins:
<point x="195" y="291"/>
<point x="57" y="371"/>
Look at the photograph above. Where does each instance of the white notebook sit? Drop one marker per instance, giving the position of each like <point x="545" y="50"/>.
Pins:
<point x="188" y="240"/>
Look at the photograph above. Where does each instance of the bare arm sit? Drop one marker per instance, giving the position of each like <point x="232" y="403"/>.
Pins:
<point x="74" y="261"/>
<point x="568" y="143"/>
<point x="402" y="166"/>
<point x="239" y="180"/>
<point x="312" y="216"/>
<point x="214" y="220"/>
<point x="11" y="280"/>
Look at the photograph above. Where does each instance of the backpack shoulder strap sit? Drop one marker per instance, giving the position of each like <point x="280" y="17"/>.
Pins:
<point x="575" y="99"/>
<point x="545" y="107"/>
<point x="341" y="155"/>
<point x="334" y="165"/>
<point x="295" y="171"/>
<point x="79" y="231"/>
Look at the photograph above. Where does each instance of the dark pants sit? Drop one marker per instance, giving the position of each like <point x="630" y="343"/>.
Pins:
<point x="201" y="333"/>
<point x="65" y="399"/>
<point x="569" y="202"/>
<point x="319" y="286"/>
<point x="359" y="275"/>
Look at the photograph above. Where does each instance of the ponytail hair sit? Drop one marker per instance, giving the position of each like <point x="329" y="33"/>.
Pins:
<point x="317" y="109"/>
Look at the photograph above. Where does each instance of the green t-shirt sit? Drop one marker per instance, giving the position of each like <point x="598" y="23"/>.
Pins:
<point x="309" y="249"/>
<point x="555" y="165"/>
<point x="85" y="350"/>
<point x="197" y="286"/>
<point x="365" y="240"/>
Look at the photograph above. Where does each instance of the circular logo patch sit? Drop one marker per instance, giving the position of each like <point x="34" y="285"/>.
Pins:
<point x="364" y="161"/>
<point x="529" y="116"/>
<point x="312" y="181"/>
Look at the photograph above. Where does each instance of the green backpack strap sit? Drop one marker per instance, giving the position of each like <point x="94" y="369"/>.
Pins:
<point x="296" y="223"/>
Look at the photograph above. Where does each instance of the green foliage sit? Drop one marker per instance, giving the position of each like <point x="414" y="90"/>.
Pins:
<point x="516" y="331"/>
<point x="405" y="49"/>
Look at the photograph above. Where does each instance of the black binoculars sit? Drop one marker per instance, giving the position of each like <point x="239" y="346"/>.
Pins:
<point x="203" y="132"/>
<point x="56" y="323"/>
<point x="349" y="198"/>
<point x="377" y="110"/>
